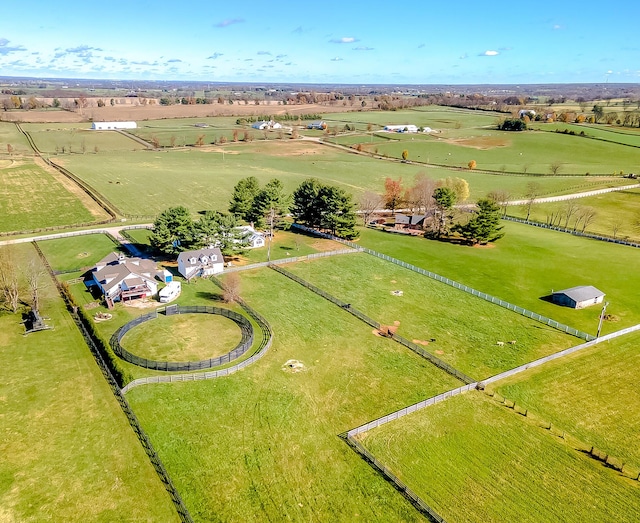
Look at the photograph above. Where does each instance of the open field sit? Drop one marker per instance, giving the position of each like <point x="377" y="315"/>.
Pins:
<point x="32" y="198"/>
<point x="617" y="213"/>
<point x="184" y="337"/>
<point x="10" y="135"/>
<point x="77" y="252"/>
<point x="592" y="395"/>
<point x="526" y="265"/>
<point x="465" y="327"/>
<point x="473" y="460"/>
<point x="262" y="444"/>
<point x="68" y="452"/>
<point x="207" y="175"/>
<point x="621" y="135"/>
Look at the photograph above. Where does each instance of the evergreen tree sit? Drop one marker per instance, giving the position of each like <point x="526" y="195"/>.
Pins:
<point x="305" y="207"/>
<point x="173" y="231"/>
<point x="220" y="230"/>
<point x="244" y="193"/>
<point x="485" y="226"/>
<point x="270" y="201"/>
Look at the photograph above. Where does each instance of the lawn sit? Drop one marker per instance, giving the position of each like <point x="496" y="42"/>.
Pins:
<point x="466" y="329"/>
<point x="32" y="199"/>
<point x="473" y="460"/>
<point x="591" y="394"/>
<point x="526" y="265"/>
<point x="68" y="452"/>
<point x="185" y="337"/>
<point x="263" y="445"/>
<point x="77" y="252"/>
<point x="10" y="135"/>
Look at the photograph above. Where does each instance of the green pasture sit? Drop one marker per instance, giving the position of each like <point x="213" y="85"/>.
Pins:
<point x="526" y="265"/>
<point x="473" y="460"/>
<point x="32" y="199"/>
<point x="184" y="337"/>
<point x="617" y="213"/>
<point x="530" y="152"/>
<point x="10" y="135"/>
<point x="263" y="444"/>
<point x="146" y="182"/>
<point x="68" y="452"/>
<point x="77" y="252"/>
<point x="466" y="328"/>
<point x="591" y="394"/>
<point x="54" y="139"/>
<point x="621" y="135"/>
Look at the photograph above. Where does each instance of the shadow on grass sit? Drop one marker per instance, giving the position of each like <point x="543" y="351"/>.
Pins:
<point x="209" y="296"/>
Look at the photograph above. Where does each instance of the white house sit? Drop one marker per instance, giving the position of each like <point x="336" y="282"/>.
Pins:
<point x="120" y="278"/>
<point x="264" y="124"/>
<point x="406" y="128"/>
<point x="110" y="126"/>
<point x="526" y="112"/>
<point x="251" y="237"/>
<point x="203" y="262"/>
<point x="578" y="297"/>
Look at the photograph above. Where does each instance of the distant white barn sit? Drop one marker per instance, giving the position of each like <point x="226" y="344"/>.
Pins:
<point x="264" y="124"/>
<point x="111" y="126"/>
<point x="406" y="128"/>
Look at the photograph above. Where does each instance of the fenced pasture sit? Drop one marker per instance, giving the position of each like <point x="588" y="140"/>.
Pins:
<point x="529" y="152"/>
<point x="262" y="444"/>
<point x="77" y="252"/>
<point x="471" y="459"/>
<point x="10" y="135"/>
<point x="616" y="214"/>
<point x="68" y="452"/>
<point x="52" y="139"/>
<point x="621" y="135"/>
<point x="456" y="327"/>
<point x="31" y="198"/>
<point x="526" y="265"/>
<point x="591" y="395"/>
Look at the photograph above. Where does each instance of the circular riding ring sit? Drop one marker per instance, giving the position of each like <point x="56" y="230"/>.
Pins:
<point x="245" y="344"/>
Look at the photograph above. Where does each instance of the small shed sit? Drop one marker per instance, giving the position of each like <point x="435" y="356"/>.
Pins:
<point x="578" y="297"/>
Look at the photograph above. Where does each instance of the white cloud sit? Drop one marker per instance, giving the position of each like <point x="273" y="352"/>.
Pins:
<point x="227" y="23"/>
<point x="214" y="56"/>
<point x="336" y="59"/>
<point x="343" y="40"/>
<point x="363" y="48"/>
<point x="489" y="53"/>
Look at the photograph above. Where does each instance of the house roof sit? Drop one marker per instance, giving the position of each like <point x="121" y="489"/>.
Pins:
<point x="414" y="219"/>
<point x="116" y="268"/>
<point x="186" y="256"/>
<point x="581" y="293"/>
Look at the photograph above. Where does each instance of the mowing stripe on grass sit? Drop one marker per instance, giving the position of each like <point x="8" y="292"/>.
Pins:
<point x="369" y="321"/>
<point x="483" y="295"/>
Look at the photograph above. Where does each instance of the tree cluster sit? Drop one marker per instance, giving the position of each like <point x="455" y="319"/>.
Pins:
<point x="324" y="207"/>
<point x="258" y="205"/>
<point x="512" y="124"/>
<point x="174" y="231"/>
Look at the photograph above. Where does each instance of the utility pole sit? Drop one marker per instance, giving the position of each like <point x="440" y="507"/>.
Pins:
<point x="604" y="308"/>
<point x="272" y="211"/>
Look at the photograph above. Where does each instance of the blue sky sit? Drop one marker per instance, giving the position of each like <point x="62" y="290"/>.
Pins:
<point x="408" y="42"/>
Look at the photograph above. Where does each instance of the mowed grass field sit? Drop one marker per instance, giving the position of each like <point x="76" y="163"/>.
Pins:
<point x="31" y="198"/>
<point x="147" y="182"/>
<point x="466" y="328"/>
<point x="185" y="337"/>
<point x="526" y="265"/>
<point x="68" y="452"/>
<point x="263" y="444"/>
<point x="591" y="395"/>
<point x="472" y="459"/>
<point x="77" y="252"/>
<point x="617" y="213"/>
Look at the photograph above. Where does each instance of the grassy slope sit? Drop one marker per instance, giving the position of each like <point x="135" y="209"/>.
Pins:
<point x="30" y="198"/>
<point x="591" y="394"/>
<point x="526" y="265"/>
<point x="262" y="445"/>
<point x="473" y="460"/>
<point x="465" y="328"/>
<point x="68" y="451"/>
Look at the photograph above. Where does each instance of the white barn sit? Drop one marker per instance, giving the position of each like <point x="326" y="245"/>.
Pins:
<point x="264" y="124"/>
<point x="203" y="262"/>
<point x="407" y="128"/>
<point x="111" y="126"/>
<point x="578" y="297"/>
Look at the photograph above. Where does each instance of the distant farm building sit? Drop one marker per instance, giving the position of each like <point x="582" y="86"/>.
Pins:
<point x="405" y="128"/>
<point x="251" y="238"/>
<point x="318" y="125"/>
<point x="120" y="278"/>
<point x="112" y="126"/>
<point x="404" y="221"/>
<point x="526" y="112"/>
<point x="264" y="124"/>
<point x="203" y="262"/>
<point x="578" y="297"/>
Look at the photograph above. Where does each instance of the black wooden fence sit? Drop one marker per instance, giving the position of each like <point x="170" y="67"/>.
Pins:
<point x="174" y="366"/>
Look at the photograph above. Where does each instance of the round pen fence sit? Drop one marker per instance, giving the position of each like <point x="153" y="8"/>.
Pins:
<point x="174" y="366"/>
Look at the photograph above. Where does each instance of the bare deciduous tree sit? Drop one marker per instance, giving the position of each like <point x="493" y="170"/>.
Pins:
<point x="368" y="204"/>
<point x="231" y="288"/>
<point x="9" y="282"/>
<point x="570" y="208"/>
<point x="34" y="273"/>
<point x="585" y="216"/>
<point x="501" y="197"/>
